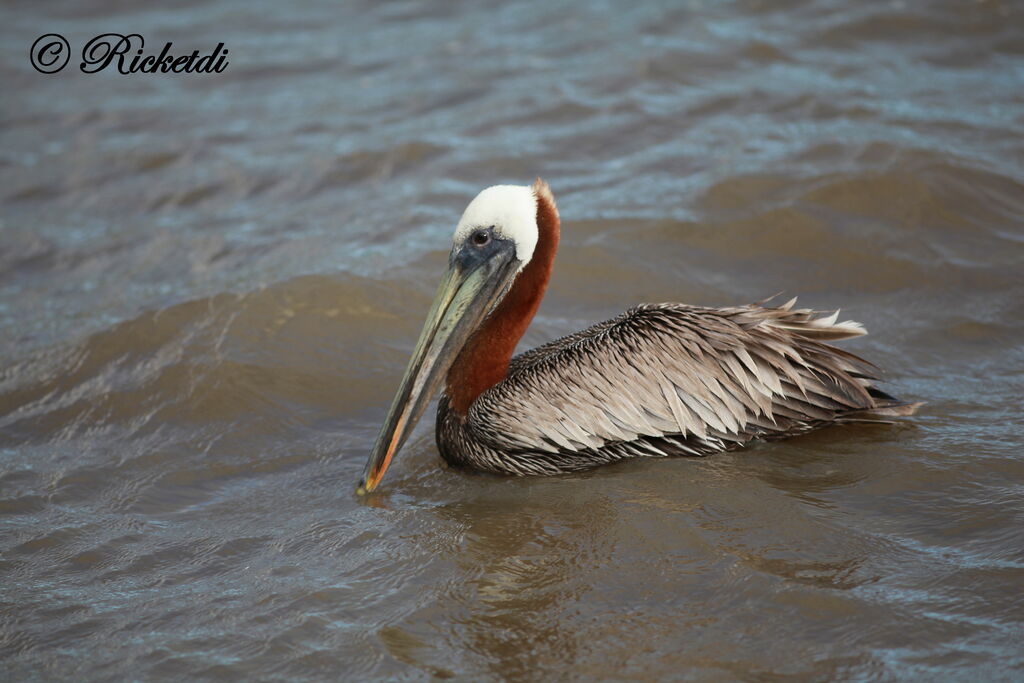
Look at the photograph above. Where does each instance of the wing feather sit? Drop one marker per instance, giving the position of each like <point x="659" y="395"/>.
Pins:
<point x="677" y="372"/>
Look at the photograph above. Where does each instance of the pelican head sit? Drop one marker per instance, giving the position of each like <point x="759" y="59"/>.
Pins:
<point x="493" y="242"/>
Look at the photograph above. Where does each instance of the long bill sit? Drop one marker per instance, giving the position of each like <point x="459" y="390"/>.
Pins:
<point x="468" y="292"/>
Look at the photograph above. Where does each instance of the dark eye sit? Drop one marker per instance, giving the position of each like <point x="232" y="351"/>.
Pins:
<point x="480" y="237"/>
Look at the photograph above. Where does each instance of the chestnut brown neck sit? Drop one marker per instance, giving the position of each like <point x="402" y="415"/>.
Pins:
<point x="483" y="361"/>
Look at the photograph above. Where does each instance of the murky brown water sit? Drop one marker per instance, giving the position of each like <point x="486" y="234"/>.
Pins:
<point x="209" y="286"/>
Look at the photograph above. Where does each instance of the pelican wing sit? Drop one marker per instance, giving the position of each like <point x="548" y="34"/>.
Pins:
<point x="671" y="378"/>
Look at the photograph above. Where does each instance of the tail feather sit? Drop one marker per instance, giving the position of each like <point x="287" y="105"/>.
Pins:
<point x="825" y="328"/>
<point x="896" y="409"/>
<point x="801" y="321"/>
<point x="833" y="332"/>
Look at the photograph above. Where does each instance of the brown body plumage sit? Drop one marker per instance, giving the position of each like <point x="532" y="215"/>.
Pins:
<point x="661" y="380"/>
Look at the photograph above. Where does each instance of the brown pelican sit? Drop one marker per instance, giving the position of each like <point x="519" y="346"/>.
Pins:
<point x="659" y="380"/>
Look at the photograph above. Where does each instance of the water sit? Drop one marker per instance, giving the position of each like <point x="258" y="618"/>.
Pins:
<point x="209" y="286"/>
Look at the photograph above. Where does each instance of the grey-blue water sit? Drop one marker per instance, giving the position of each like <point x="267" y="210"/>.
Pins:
<point x="210" y="284"/>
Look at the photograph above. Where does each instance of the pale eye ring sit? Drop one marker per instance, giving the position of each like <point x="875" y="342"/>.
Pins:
<point x="480" y="238"/>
